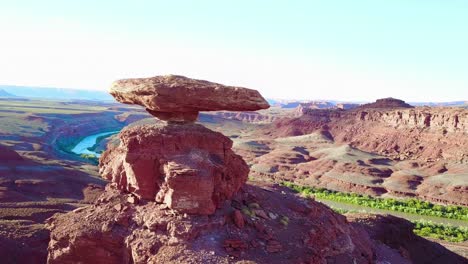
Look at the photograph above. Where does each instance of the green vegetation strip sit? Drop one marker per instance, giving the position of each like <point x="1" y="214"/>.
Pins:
<point x="432" y="230"/>
<point x="439" y="231"/>
<point x="91" y="158"/>
<point x="413" y="206"/>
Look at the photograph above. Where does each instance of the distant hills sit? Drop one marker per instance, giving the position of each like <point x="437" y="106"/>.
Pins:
<point x="4" y="93"/>
<point x="53" y="93"/>
<point x="12" y="91"/>
<point x="451" y="104"/>
<point x="333" y="103"/>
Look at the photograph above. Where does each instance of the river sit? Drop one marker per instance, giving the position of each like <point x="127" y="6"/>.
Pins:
<point x="89" y="141"/>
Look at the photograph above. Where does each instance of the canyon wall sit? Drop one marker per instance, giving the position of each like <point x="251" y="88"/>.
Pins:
<point x="405" y="133"/>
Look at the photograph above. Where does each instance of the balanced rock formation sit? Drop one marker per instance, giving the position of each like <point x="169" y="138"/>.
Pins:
<point x="185" y="166"/>
<point x="178" y="98"/>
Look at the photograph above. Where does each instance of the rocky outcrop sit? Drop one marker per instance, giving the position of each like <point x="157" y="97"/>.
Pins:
<point x="304" y="108"/>
<point x="346" y="106"/>
<point x="441" y="119"/>
<point x="182" y="165"/>
<point x="186" y="166"/>
<point x="247" y="117"/>
<point x="178" y="98"/>
<point x="387" y="103"/>
<point x="277" y="227"/>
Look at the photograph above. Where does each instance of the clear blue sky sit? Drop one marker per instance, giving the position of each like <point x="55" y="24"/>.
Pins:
<point x="416" y="50"/>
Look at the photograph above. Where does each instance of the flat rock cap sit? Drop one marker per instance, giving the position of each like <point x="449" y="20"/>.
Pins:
<point x="178" y="98"/>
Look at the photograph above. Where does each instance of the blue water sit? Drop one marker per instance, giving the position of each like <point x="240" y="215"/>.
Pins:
<point x="89" y="141"/>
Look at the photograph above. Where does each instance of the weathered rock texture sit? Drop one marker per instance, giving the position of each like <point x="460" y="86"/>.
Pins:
<point x="185" y="166"/>
<point x="178" y="98"/>
<point x="279" y="227"/>
<point x="182" y="165"/>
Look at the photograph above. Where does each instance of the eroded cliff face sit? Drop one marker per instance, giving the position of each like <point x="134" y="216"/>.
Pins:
<point x="404" y="152"/>
<point x="435" y="119"/>
<point x="421" y="133"/>
<point x="247" y="117"/>
<point x="429" y="134"/>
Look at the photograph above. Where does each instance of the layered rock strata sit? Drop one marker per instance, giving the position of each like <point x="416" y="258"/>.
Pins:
<point x="420" y="133"/>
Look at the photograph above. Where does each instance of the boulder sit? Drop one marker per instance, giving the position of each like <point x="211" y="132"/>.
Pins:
<point x="178" y="98"/>
<point x="238" y="219"/>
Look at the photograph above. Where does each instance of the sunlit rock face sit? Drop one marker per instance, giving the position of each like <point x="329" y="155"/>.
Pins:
<point x="178" y="98"/>
<point x="185" y="166"/>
